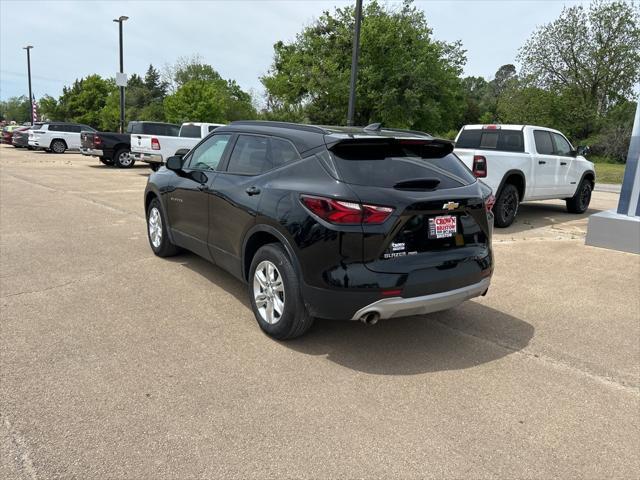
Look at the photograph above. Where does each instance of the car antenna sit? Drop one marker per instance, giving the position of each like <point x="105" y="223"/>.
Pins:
<point x="373" y="127"/>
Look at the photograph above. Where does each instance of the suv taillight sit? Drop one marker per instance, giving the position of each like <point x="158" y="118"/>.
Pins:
<point x="97" y="141"/>
<point x="345" y="212"/>
<point x="155" y="144"/>
<point x="479" y="166"/>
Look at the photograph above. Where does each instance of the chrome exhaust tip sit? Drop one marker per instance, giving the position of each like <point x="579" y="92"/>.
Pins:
<point x="370" y="318"/>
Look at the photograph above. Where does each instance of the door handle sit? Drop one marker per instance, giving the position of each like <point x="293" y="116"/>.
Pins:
<point x="563" y="163"/>
<point x="202" y="187"/>
<point x="541" y="162"/>
<point x="252" y="191"/>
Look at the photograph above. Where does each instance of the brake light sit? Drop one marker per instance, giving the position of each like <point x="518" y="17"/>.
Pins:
<point x="491" y="127"/>
<point x="155" y="144"/>
<point x="97" y="141"/>
<point x="344" y="212"/>
<point x="479" y="166"/>
<point x="489" y="202"/>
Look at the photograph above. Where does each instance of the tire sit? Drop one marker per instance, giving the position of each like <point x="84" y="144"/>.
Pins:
<point x="579" y="203"/>
<point x="506" y="207"/>
<point x="106" y="161"/>
<point x="154" y="166"/>
<point x="157" y="225"/>
<point x="58" y="146"/>
<point x="282" y="313"/>
<point x="123" y="159"/>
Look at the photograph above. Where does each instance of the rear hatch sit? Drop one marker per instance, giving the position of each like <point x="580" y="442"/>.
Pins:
<point x="439" y="219"/>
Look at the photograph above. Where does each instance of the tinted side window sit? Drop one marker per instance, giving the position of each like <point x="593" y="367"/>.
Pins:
<point x="212" y="128"/>
<point x="136" y="127"/>
<point x="74" y="128"/>
<point x="54" y="128"/>
<point x="190" y="131"/>
<point x="511" y="141"/>
<point x="208" y="154"/>
<point x="249" y="156"/>
<point x="282" y="151"/>
<point x="562" y="146"/>
<point x="544" y="144"/>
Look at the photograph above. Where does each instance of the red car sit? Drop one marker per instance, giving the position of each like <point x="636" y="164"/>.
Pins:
<point x="7" y="133"/>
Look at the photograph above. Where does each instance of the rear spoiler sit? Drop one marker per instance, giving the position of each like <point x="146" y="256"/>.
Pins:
<point x="428" y="148"/>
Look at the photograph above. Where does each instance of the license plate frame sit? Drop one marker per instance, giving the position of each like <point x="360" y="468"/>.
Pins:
<point x="442" y="227"/>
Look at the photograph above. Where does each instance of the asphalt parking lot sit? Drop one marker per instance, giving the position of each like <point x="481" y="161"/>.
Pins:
<point x="119" y="364"/>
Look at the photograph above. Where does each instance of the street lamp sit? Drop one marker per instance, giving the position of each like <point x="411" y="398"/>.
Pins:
<point x="354" y="63"/>
<point x="28" y="48"/>
<point x="122" y="81"/>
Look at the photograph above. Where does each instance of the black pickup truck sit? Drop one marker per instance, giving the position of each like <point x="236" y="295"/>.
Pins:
<point x="114" y="148"/>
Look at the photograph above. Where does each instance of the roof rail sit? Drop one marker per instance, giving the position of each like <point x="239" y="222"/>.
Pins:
<point x="289" y="125"/>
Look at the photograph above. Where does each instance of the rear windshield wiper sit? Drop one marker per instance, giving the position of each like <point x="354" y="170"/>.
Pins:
<point x="417" y="184"/>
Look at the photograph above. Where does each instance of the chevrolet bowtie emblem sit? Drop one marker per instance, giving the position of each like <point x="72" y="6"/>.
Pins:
<point x="450" y="206"/>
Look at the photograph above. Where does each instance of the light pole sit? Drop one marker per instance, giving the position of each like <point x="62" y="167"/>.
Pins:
<point x="354" y="63"/>
<point x="119" y="21"/>
<point x="28" y="48"/>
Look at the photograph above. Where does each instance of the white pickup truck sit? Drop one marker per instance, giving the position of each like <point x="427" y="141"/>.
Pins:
<point x="524" y="162"/>
<point x="155" y="149"/>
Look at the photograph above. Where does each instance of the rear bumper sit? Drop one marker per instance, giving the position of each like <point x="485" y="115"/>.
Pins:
<point x="147" y="157"/>
<point x="403" y="307"/>
<point x="92" y="152"/>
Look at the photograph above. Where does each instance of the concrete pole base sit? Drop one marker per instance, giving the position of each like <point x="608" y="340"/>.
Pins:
<point x="614" y="231"/>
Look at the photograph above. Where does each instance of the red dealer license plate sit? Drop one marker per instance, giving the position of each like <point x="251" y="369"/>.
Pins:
<point x="445" y="226"/>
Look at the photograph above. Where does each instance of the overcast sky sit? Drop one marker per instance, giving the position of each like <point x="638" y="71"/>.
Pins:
<point x="72" y="39"/>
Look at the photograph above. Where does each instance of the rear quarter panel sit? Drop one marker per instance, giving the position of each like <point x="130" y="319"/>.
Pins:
<point x="498" y="164"/>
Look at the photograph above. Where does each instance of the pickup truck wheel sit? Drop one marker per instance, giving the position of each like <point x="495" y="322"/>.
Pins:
<point x="123" y="158"/>
<point x="106" y="161"/>
<point x="580" y="201"/>
<point x="58" y="146"/>
<point x="276" y="299"/>
<point x="506" y="207"/>
<point x="157" y="231"/>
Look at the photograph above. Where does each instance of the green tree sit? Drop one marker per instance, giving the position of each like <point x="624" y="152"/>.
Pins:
<point x="592" y="52"/>
<point x="84" y="100"/>
<point x="406" y="78"/>
<point x="216" y="101"/>
<point x="48" y="108"/>
<point x="16" y="109"/>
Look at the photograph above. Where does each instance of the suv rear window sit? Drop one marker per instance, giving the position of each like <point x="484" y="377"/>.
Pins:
<point x="190" y="131"/>
<point x="389" y="165"/>
<point x="503" y="140"/>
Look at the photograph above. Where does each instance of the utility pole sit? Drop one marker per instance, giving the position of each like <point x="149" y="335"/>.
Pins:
<point x="121" y="81"/>
<point x="354" y="63"/>
<point x="28" y="48"/>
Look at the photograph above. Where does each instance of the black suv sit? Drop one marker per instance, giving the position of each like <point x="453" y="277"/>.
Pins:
<point x="328" y="222"/>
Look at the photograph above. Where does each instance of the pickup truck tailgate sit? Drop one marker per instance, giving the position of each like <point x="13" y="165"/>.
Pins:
<point x="142" y="144"/>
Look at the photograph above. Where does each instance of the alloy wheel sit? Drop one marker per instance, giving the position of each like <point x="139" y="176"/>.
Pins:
<point x="268" y="292"/>
<point x="124" y="159"/>
<point x="155" y="227"/>
<point x="585" y="196"/>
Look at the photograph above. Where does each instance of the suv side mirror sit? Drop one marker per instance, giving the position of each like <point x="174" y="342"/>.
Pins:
<point x="583" y="150"/>
<point x="174" y="163"/>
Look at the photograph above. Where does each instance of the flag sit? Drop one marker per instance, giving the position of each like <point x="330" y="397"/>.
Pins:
<point x="34" y="109"/>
